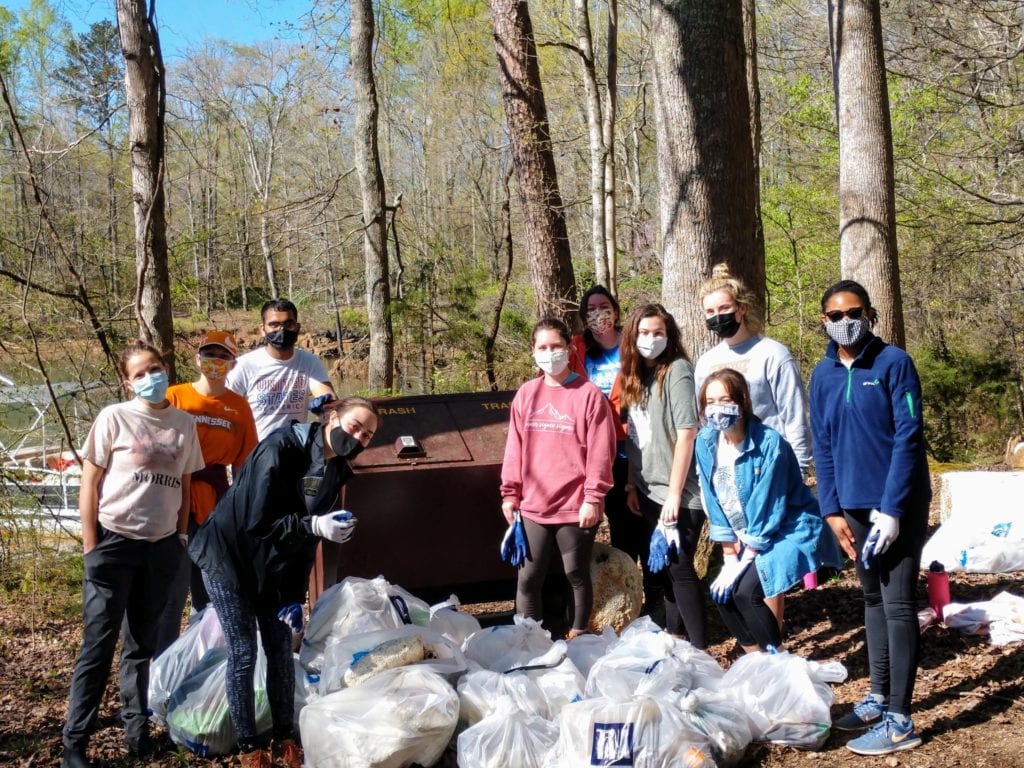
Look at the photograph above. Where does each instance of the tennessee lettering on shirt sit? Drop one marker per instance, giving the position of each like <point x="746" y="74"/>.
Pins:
<point x="212" y="421"/>
<point x="156" y="478"/>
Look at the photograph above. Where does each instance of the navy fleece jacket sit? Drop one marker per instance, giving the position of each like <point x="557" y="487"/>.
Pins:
<point x="868" y="431"/>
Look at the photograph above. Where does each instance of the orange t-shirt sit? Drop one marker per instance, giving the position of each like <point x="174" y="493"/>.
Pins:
<point x="227" y="435"/>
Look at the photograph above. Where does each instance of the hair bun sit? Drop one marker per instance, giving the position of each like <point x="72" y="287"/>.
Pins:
<point x="721" y="271"/>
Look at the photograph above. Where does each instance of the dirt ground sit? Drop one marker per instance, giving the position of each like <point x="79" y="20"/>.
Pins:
<point x="968" y="704"/>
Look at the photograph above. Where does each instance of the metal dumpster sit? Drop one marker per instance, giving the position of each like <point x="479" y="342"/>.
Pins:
<point x="426" y="493"/>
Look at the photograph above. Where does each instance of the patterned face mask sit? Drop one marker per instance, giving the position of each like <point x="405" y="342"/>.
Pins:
<point x="847" y="331"/>
<point x="722" y="416"/>
<point x="214" y="368"/>
<point x="601" y="320"/>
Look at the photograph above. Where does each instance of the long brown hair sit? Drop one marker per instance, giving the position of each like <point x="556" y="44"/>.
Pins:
<point x="634" y="373"/>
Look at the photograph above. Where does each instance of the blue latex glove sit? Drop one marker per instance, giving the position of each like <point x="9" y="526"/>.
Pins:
<point x="316" y="405"/>
<point x="664" y="540"/>
<point x="291" y="615"/>
<point x="884" y="530"/>
<point x="515" y="550"/>
<point x="732" y="569"/>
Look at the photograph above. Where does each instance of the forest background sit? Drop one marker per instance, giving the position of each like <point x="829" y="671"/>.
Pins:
<point x="259" y="170"/>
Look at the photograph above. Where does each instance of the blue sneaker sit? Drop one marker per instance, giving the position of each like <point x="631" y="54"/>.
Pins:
<point x="885" y="738"/>
<point x="864" y="714"/>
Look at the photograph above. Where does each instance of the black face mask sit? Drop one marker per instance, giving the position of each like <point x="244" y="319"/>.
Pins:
<point x="282" y="339"/>
<point x="725" y="326"/>
<point x="344" y="445"/>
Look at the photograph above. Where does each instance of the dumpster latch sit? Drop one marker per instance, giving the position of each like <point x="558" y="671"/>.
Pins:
<point x="408" y="447"/>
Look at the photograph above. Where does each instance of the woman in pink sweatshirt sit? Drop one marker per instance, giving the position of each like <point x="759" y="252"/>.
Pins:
<point x="556" y="471"/>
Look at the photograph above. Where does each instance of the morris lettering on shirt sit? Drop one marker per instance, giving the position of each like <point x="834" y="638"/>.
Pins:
<point x="613" y="744"/>
<point x="156" y="478"/>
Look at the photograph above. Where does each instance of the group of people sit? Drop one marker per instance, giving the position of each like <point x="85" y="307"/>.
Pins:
<point x="161" y="516"/>
<point x="622" y="425"/>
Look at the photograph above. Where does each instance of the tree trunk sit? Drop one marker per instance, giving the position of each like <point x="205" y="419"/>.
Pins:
<point x="145" y="91"/>
<point x="546" y="236"/>
<point x="371" y="186"/>
<point x="754" y="100"/>
<point x="704" y="158"/>
<point x="608" y="133"/>
<point x="867" y="197"/>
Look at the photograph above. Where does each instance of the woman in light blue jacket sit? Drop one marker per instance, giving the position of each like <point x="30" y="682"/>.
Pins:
<point x="759" y="509"/>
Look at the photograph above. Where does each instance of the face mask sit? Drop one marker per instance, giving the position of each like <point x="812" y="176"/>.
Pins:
<point x="152" y="387"/>
<point x="282" y="339"/>
<point x="344" y="445"/>
<point x="214" y="368"/>
<point x="552" y="362"/>
<point x="600" y="320"/>
<point x="847" y="332"/>
<point x="725" y="325"/>
<point x="650" y="347"/>
<point x="722" y="416"/>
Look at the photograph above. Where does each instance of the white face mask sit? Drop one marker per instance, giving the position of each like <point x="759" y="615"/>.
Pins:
<point x="552" y="361"/>
<point x="650" y="346"/>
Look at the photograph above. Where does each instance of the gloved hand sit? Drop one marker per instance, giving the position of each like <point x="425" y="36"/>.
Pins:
<point x="515" y="549"/>
<point x="884" y="530"/>
<point x="334" y="526"/>
<point x="663" y="540"/>
<point x="291" y="615"/>
<point x="316" y="405"/>
<point x="732" y="569"/>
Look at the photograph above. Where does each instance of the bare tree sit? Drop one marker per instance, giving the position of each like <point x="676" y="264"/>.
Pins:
<point x="705" y="161"/>
<point x="145" y="92"/>
<point x="867" y="197"/>
<point x="547" y="240"/>
<point x="371" y="185"/>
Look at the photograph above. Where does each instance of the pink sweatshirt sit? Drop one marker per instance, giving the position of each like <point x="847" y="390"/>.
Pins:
<point x="560" y="448"/>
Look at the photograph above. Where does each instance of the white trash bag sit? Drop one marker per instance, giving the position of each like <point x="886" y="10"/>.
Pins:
<point x="586" y="649"/>
<point x="180" y="658"/>
<point x="722" y="722"/>
<point x="508" y="737"/>
<point x="198" y="717"/>
<point x="454" y="624"/>
<point x="507" y="646"/>
<point x="396" y="719"/>
<point x="483" y="692"/>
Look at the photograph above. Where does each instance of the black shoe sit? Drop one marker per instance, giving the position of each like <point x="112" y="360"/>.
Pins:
<point x="141" y="746"/>
<point x="75" y="758"/>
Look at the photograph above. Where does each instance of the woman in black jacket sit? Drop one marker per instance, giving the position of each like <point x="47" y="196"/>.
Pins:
<point x="256" y="551"/>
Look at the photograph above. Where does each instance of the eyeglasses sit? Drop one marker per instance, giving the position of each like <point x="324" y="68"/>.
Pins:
<point x="854" y="313"/>
<point x="288" y="325"/>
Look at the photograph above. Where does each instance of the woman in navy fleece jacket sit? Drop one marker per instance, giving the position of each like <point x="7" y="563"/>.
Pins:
<point x="874" y="490"/>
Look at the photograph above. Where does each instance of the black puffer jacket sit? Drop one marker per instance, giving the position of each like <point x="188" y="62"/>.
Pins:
<point x="258" y="540"/>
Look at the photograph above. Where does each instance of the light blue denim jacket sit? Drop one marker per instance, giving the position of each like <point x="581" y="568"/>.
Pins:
<point x="783" y="521"/>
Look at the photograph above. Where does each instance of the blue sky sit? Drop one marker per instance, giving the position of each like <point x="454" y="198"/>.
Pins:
<point x="186" y="22"/>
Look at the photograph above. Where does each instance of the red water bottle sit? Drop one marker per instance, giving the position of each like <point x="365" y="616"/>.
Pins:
<point x="938" y="588"/>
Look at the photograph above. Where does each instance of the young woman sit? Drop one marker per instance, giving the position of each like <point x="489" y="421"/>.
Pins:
<point x="256" y="551"/>
<point x="227" y="435"/>
<point x="134" y="503"/>
<point x="660" y="404"/>
<point x="759" y="507"/>
<point x="874" y="491"/>
<point x="556" y="471"/>
<point x="598" y="348"/>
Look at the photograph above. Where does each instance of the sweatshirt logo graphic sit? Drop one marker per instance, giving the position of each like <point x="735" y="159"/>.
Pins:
<point x="549" y="419"/>
<point x="873" y="383"/>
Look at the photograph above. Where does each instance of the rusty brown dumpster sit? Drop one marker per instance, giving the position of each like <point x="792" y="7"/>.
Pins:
<point x="426" y="494"/>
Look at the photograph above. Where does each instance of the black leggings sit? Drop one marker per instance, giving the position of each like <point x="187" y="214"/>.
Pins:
<point x="575" y="544"/>
<point x="683" y="591"/>
<point x="890" y="608"/>
<point x="746" y="615"/>
<point x="628" y="531"/>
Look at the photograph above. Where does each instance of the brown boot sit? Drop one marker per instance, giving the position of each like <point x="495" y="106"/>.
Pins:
<point x="258" y="758"/>
<point x="286" y="753"/>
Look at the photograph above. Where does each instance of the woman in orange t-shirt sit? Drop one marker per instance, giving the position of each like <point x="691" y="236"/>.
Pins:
<point x="227" y="434"/>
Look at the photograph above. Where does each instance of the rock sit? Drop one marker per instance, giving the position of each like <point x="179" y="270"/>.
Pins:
<point x="892" y="762"/>
<point x="618" y="588"/>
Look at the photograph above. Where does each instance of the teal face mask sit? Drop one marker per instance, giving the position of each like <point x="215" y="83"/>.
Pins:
<point x="152" y="387"/>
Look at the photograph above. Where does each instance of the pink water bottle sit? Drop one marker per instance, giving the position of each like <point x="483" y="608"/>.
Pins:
<point x="811" y="580"/>
<point x="938" y="588"/>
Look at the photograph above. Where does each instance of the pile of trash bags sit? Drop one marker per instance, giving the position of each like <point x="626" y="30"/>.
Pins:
<point x="384" y="680"/>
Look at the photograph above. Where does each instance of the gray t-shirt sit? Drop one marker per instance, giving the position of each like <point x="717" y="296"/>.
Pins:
<point x="651" y="437"/>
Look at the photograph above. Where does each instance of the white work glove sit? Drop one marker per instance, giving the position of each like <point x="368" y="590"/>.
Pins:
<point x="671" y="533"/>
<point x="732" y="569"/>
<point x="334" y="526"/>
<point x="884" y="530"/>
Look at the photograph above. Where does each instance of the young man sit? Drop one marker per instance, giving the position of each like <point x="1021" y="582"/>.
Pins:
<point x="278" y="379"/>
<point x="227" y="435"/>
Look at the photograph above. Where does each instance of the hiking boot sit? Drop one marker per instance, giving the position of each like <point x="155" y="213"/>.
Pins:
<point x="286" y="754"/>
<point x="142" y="745"/>
<point x="886" y="737"/>
<point x="74" y="757"/>
<point x="866" y="713"/>
<point x="257" y="758"/>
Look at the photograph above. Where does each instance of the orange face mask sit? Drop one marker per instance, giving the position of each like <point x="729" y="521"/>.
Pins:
<point x="214" y="368"/>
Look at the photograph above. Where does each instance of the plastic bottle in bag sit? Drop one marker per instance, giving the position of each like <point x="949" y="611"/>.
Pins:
<point x="938" y="587"/>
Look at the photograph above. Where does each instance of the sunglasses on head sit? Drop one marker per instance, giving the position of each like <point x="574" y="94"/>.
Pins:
<point x="838" y="314"/>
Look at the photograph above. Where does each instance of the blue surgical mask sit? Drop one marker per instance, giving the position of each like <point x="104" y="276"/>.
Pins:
<point x="722" y="416"/>
<point x="152" y="387"/>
